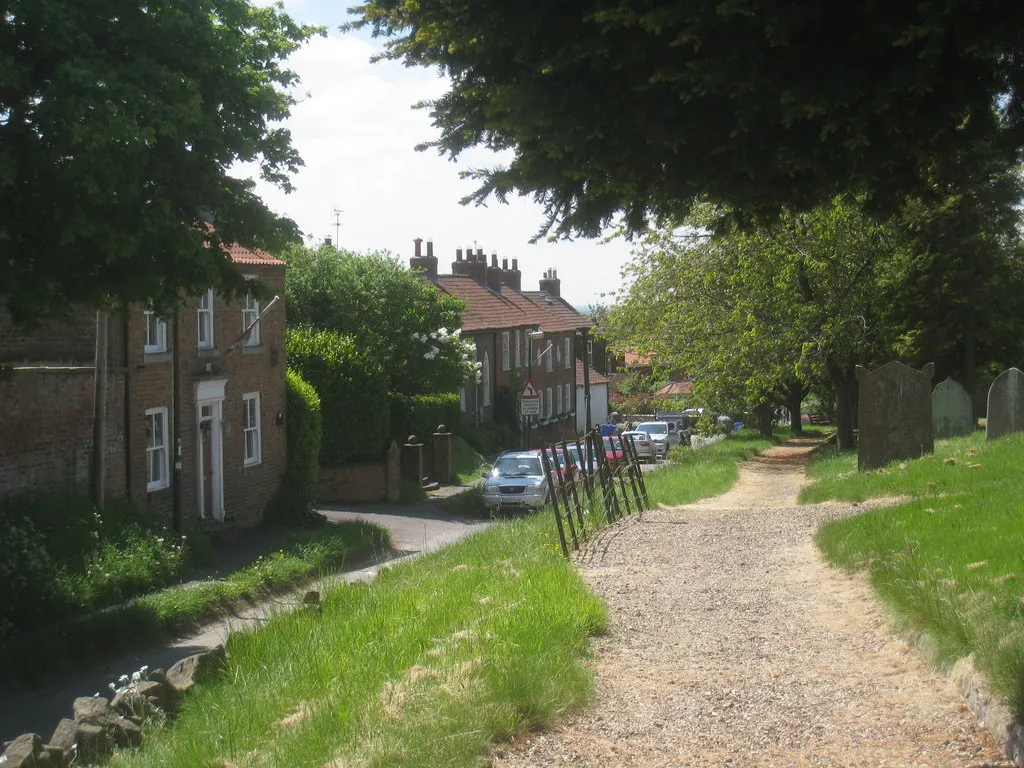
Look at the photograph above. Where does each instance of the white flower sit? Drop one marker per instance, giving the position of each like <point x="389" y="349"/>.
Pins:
<point x="457" y="332"/>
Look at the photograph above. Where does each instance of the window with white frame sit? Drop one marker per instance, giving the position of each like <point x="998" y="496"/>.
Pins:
<point x="590" y="354"/>
<point x="156" y="332"/>
<point x="157" y="450"/>
<point x="506" y="352"/>
<point x="568" y="398"/>
<point x="204" y="321"/>
<point x="568" y="352"/>
<point x="549" y="352"/>
<point x="558" y="391"/>
<point x="519" y="356"/>
<point x="485" y="380"/>
<point x="251" y="425"/>
<point x="251" y="311"/>
<point x="550" y="402"/>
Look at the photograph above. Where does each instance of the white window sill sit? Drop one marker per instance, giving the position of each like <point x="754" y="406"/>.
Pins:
<point x="161" y="486"/>
<point x="252" y="464"/>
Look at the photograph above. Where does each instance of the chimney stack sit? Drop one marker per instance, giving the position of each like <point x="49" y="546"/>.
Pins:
<point x="493" y="275"/>
<point x="511" y="277"/>
<point x="550" y="284"/>
<point x="427" y="263"/>
<point x="477" y="264"/>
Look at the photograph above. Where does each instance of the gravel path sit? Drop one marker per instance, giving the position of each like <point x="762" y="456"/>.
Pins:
<point x="732" y="643"/>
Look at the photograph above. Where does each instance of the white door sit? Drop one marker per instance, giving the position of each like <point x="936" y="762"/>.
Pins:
<point x="210" y="462"/>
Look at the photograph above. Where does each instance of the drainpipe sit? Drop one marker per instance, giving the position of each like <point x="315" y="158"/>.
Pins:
<point x="175" y="442"/>
<point x="99" y="424"/>
<point x="127" y="405"/>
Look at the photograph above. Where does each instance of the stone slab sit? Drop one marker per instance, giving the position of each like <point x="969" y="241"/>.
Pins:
<point x="894" y="414"/>
<point x="952" y="410"/>
<point x="1005" y="404"/>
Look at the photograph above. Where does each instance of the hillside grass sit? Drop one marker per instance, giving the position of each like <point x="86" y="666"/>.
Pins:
<point x="467" y="463"/>
<point x="948" y="561"/>
<point x="301" y="556"/>
<point x="428" y="665"/>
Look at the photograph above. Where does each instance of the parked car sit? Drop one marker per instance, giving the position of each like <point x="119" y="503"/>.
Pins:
<point x="662" y="436"/>
<point x="642" y="444"/>
<point x="613" y="450"/>
<point x="517" y="481"/>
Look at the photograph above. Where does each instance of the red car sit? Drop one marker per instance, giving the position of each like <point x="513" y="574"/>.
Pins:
<point x="613" y="449"/>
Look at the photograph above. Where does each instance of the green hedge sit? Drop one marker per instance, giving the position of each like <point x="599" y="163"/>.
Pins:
<point x="293" y="501"/>
<point x="353" y="394"/>
<point x="420" y="415"/>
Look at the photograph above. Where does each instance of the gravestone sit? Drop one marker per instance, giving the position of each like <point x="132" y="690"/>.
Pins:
<point x="952" y="410"/>
<point x="1005" y="404"/>
<point x="895" y="414"/>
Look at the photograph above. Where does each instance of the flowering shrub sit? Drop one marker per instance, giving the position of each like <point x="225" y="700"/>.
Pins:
<point x="64" y="557"/>
<point x="445" y="345"/>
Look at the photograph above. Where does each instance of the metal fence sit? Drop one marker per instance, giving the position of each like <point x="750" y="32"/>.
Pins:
<point x="591" y="487"/>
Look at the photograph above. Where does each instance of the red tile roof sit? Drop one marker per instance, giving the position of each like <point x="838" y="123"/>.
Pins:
<point x="595" y="377"/>
<point x="559" y="315"/>
<point x="485" y="310"/>
<point x="675" y="389"/>
<point x="632" y="358"/>
<point x="241" y="255"/>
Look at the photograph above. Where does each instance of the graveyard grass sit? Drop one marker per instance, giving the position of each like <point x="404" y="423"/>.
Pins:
<point x="427" y="665"/>
<point x="950" y="559"/>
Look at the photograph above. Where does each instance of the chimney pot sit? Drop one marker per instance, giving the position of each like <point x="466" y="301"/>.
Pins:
<point x="458" y="254"/>
<point x="554" y="273"/>
<point x="417" y="242"/>
<point x="430" y="247"/>
<point x="504" y="265"/>
<point x="515" y="265"/>
<point x="480" y="255"/>
<point x="494" y="260"/>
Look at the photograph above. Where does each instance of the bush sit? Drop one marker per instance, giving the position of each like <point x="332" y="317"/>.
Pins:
<point x="353" y="394"/>
<point x="293" y="501"/>
<point x="420" y="415"/>
<point x="62" y="556"/>
<point x="490" y="439"/>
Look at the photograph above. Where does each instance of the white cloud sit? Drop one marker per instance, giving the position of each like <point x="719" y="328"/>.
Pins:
<point x="356" y="133"/>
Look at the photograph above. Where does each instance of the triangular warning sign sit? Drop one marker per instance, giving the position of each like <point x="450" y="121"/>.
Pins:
<point x="529" y="390"/>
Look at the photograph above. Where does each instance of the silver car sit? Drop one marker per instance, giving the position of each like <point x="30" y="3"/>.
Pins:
<point x="643" y="445"/>
<point x="517" y="481"/>
<point x="660" y="434"/>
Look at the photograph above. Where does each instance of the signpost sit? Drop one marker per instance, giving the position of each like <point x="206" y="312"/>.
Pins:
<point x="529" y="400"/>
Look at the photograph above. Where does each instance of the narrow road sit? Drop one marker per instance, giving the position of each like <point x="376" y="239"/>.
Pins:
<point x="732" y="643"/>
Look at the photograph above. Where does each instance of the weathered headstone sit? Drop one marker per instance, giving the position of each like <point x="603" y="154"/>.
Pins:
<point x="895" y="414"/>
<point x="952" y="410"/>
<point x="1005" y="404"/>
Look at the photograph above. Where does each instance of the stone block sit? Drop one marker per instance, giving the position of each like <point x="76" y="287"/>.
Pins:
<point x="195" y="669"/>
<point x="952" y="410"/>
<point x="895" y="414"/>
<point x="1005" y="404"/>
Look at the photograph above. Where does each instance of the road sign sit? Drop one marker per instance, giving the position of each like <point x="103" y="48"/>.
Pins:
<point x="529" y="400"/>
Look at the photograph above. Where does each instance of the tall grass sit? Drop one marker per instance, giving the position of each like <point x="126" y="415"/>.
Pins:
<point x="695" y="474"/>
<point x="951" y="560"/>
<point x="467" y="464"/>
<point x="426" y="666"/>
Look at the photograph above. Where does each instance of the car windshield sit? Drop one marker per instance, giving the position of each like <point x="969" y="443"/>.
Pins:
<point x="655" y="429"/>
<point x="517" y="466"/>
<point x="634" y="436"/>
<point x="612" y="444"/>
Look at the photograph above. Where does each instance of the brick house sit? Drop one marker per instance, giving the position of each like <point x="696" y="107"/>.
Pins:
<point x="224" y="422"/>
<point x="519" y="335"/>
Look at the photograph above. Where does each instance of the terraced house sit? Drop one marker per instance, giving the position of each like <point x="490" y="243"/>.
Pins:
<point x="520" y="336"/>
<point x="191" y="413"/>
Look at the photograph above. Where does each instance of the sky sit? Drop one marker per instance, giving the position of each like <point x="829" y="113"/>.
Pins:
<point x="356" y="131"/>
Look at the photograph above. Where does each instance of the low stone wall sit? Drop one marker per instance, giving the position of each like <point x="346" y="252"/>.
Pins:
<point x="352" y="483"/>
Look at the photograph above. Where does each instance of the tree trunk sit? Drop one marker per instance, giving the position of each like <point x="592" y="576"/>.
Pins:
<point x="794" y="403"/>
<point x="764" y="412"/>
<point x="970" y="348"/>
<point x="843" y="382"/>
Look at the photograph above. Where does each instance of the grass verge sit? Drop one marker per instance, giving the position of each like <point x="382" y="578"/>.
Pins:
<point x="707" y="471"/>
<point x="467" y="464"/>
<point x="428" y="665"/>
<point x="951" y="560"/>
<point x="303" y="554"/>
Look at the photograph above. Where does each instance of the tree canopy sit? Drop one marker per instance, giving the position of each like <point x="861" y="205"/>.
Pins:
<point x="615" y="106"/>
<point x="119" y="123"/>
<point x="403" y="323"/>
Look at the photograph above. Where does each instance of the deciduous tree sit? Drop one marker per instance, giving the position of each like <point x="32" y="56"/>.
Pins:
<point x="119" y="123"/>
<point x="615" y="106"/>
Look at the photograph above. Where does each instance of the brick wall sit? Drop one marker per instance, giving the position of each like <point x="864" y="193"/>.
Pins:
<point x="365" y="482"/>
<point x="70" y="342"/>
<point x="46" y="432"/>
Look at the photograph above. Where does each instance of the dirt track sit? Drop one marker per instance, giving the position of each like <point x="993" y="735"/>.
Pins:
<point x="733" y="644"/>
